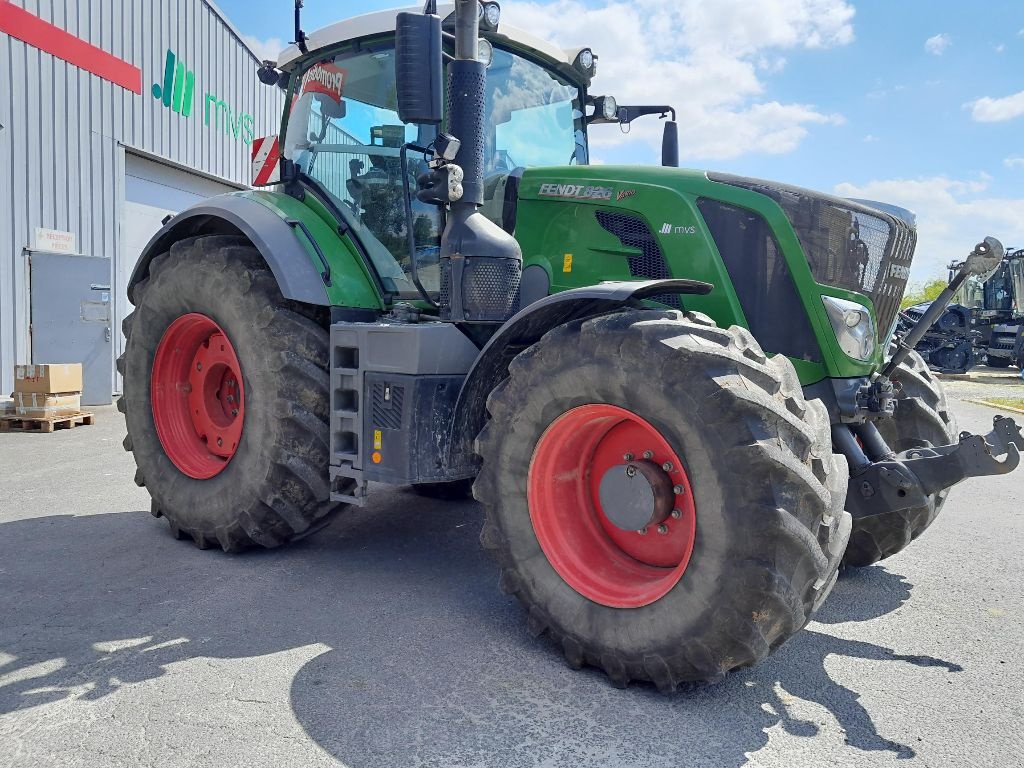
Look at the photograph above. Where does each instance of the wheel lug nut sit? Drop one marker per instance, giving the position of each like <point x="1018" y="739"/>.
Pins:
<point x="678" y="489"/>
<point x="648" y="454"/>
<point x="642" y="531"/>
<point x="220" y="441"/>
<point x="628" y="457"/>
<point x="667" y="466"/>
<point x="662" y="529"/>
<point x="234" y="411"/>
<point x="630" y="470"/>
<point x="676" y="514"/>
<point x="199" y="366"/>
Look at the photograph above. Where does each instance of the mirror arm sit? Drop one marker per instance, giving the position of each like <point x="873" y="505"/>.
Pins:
<point x="628" y="114"/>
<point x="410" y="232"/>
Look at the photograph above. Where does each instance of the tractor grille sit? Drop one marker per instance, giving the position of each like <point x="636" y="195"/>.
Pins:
<point x="650" y="264"/>
<point x="847" y="245"/>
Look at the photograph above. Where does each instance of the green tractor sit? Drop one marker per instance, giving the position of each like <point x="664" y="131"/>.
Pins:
<point x="668" y="389"/>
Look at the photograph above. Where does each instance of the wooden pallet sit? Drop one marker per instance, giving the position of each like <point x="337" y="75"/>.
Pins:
<point x="48" y="424"/>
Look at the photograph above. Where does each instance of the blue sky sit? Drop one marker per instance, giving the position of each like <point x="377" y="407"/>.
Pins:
<point x="874" y="99"/>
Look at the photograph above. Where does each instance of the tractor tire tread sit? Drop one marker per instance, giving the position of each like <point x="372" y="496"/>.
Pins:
<point x="797" y="532"/>
<point x="292" y="495"/>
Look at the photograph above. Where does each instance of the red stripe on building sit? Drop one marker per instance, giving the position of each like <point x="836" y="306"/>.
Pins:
<point x="21" y="24"/>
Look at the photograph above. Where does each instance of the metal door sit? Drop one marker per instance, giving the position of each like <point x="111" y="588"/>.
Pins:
<point x="71" y="321"/>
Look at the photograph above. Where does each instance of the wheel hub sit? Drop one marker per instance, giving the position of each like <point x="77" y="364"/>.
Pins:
<point x="618" y="530"/>
<point x="636" y="495"/>
<point x="198" y="396"/>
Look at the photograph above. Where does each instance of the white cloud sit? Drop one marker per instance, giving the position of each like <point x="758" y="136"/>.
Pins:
<point x="1014" y="162"/>
<point x="883" y="92"/>
<point x="708" y="62"/>
<point x="937" y="44"/>
<point x="870" y="139"/>
<point x="989" y="110"/>
<point x="952" y="216"/>
<point x="1001" y="48"/>
<point x="265" y="49"/>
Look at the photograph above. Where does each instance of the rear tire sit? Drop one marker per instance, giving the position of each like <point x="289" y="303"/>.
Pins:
<point x="922" y="420"/>
<point x="274" y="488"/>
<point x="767" y="495"/>
<point x="997" y="362"/>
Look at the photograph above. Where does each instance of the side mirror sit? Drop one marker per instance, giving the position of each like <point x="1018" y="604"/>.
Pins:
<point x="985" y="258"/>
<point x="418" y="68"/>
<point x="670" y="145"/>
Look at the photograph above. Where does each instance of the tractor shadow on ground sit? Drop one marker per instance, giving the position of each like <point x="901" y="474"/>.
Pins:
<point x="429" y="662"/>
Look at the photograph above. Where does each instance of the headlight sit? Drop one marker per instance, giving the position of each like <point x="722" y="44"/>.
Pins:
<point x="484" y="52"/>
<point x="586" y="58"/>
<point x="853" y="326"/>
<point x="609" y="109"/>
<point x="490" y="14"/>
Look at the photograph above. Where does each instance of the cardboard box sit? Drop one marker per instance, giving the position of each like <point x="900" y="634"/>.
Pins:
<point x="35" y="405"/>
<point x="52" y="377"/>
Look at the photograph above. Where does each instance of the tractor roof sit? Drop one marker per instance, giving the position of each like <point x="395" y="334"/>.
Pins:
<point x="383" y="22"/>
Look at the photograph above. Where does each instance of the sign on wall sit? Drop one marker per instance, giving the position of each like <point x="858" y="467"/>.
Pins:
<point x="54" y="241"/>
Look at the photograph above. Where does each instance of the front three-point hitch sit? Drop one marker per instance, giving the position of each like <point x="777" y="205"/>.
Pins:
<point x="906" y="480"/>
<point x="882" y="481"/>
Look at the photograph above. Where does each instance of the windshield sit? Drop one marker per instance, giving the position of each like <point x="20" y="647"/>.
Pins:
<point x="343" y="132"/>
<point x="1017" y="275"/>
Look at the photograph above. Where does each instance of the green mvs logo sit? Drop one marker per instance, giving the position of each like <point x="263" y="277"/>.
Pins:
<point x="176" y="92"/>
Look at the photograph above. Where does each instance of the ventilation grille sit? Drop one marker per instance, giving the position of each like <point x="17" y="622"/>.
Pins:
<point x="387" y="406"/>
<point x="650" y="264"/>
<point x="487" y="288"/>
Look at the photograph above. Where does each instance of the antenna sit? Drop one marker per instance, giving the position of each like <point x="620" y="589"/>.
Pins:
<point x="300" y="36"/>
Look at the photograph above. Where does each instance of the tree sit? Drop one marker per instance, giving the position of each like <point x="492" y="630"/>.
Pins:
<point x="921" y="293"/>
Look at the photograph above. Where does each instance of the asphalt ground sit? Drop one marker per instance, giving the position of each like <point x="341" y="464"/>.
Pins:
<point x="384" y="641"/>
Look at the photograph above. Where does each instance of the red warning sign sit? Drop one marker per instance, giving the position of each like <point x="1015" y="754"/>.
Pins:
<point x="266" y="161"/>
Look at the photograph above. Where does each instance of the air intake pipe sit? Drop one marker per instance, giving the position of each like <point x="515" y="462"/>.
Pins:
<point x="481" y="264"/>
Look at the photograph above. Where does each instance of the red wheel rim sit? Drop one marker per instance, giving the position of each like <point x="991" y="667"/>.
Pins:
<point x="197" y="394"/>
<point x="611" y="566"/>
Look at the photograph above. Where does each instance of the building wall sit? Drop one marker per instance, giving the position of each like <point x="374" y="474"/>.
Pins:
<point x="65" y="130"/>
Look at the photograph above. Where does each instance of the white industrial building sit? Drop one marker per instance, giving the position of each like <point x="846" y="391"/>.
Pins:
<point x="113" y="114"/>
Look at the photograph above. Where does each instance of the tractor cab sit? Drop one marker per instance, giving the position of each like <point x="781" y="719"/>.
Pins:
<point x="344" y="135"/>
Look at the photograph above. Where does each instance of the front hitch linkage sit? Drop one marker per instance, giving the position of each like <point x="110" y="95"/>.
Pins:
<point x="907" y="479"/>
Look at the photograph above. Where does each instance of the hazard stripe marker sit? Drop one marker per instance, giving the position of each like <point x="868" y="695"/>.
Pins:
<point x="266" y="161"/>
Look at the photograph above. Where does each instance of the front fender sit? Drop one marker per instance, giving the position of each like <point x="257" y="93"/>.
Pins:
<point x="300" y="255"/>
<point x="525" y="329"/>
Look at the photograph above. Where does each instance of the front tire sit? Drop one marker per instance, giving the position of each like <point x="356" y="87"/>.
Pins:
<point x="761" y="528"/>
<point x="922" y="420"/>
<point x="226" y="398"/>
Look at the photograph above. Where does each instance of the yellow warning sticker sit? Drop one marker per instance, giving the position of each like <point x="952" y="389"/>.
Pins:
<point x="377" y="439"/>
<point x="567" y="263"/>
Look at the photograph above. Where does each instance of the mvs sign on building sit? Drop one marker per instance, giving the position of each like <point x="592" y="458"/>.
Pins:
<point x="177" y="91"/>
